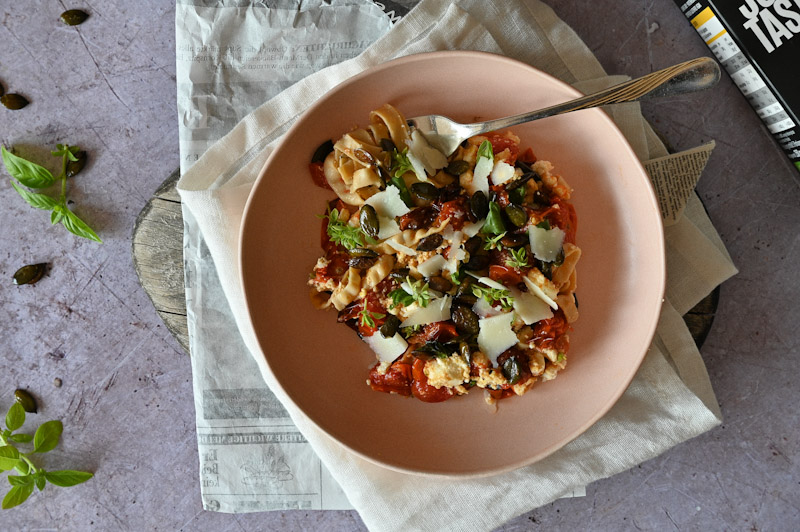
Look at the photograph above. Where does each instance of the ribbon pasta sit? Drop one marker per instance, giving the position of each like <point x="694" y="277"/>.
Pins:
<point x="429" y="267"/>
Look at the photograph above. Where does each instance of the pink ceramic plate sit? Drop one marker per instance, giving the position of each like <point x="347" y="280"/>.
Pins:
<point x="322" y="365"/>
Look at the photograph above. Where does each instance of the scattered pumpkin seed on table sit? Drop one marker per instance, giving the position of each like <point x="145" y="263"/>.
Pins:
<point x="26" y="400"/>
<point x="30" y="273"/>
<point x="73" y="17"/>
<point x="13" y="101"/>
<point x="74" y="167"/>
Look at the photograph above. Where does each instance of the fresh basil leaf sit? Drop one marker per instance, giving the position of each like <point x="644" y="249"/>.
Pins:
<point x="67" y="477"/>
<point x="15" y="417"/>
<point x="29" y="174"/>
<point x="47" y="435"/>
<point x="494" y="220"/>
<point x="22" y="467"/>
<point x="9" y="456"/>
<point x="56" y="215"/>
<point x="438" y="349"/>
<point x="17" y="495"/>
<point x="78" y="227"/>
<point x="16" y="480"/>
<point x="485" y="150"/>
<point x="544" y="224"/>
<point x="41" y="482"/>
<point x="21" y="438"/>
<point x="34" y="199"/>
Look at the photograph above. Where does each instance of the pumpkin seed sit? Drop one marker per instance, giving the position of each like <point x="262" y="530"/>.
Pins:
<point x="368" y="219"/>
<point x="362" y="263"/>
<point x="390" y="326"/>
<point x="26" y="400"/>
<point x="479" y="205"/>
<point x="424" y="192"/>
<point x="73" y="17"/>
<point x="322" y="151"/>
<point x="516" y="215"/>
<point x="465" y="351"/>
<point x="477" y="262"/>
<point x="512" y="370"/>
<point x="364" y="156"/>
<point x="74" y="167"/>
<point x="13" y="101"/>
<point x="457" y="167"/>
<point x="363" y="252"/>
<point x="388" y="145"/>
<point x="30" y="273"/>
<point x="439" y="283"/>
<point x="465" y="319"/>
<point x="514" y="240"/>
<point x="474" y="244"/>
<point x="430" y="242"/>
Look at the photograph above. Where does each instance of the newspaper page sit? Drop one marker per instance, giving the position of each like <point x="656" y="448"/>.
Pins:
<point x="674" y="178"/>
<point x="232" y="55"/>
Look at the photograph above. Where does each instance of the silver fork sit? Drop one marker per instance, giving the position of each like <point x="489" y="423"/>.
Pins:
<point x="690" y="76"/>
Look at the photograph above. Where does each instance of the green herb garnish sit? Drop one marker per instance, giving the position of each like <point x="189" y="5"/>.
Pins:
<point x="485" y="150"/>
<point x="438" y="349"/>
<point x="419" y="294"/>
<point x="411" y="330"/>
<point x="342" y="233"/>
<point x="31" y="175"/>
<point x="544" y="224"/>
<point x="493" y="242"/>
<point x="494" y="220"/>
<point x="43" y="440"/>
<point x="401" y="163"/>
<point x="519" y="258"/>
<point x="368" y="318"/>
<point x="492" y="295"/>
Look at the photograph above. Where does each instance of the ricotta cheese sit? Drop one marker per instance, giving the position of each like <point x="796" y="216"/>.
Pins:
<point x="448" y="372"/>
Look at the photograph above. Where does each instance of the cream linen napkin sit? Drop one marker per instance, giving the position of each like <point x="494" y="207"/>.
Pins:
<point x="669" y="401"/>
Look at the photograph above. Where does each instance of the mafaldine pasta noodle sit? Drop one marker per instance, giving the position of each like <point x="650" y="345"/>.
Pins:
<point x="458" y="272"/>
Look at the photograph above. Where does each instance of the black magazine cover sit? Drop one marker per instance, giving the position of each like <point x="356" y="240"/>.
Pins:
<point x="757" y="43"/>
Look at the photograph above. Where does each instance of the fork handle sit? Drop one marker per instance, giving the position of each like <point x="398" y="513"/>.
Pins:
<point x="690" y="76"/>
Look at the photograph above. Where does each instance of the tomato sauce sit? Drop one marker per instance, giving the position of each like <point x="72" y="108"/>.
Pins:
<point x="318" y="175"/>
<point x="550" y="333"/>
<point x="397" y="379"/>
<point x="456" y="210"/>
<point x="501" y="142"/>
<point x="562" y="215"/>
<point x="424" y="391"/>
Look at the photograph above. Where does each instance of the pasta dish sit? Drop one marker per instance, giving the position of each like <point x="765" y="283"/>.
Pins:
<point x="458" y="272"/>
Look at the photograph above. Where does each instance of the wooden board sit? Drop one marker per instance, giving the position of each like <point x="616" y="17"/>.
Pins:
<point x="158" y="260"/>
<point x="158" y="257"/>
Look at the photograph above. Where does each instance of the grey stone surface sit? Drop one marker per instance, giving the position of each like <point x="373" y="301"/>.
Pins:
<point x="126" y="399"/>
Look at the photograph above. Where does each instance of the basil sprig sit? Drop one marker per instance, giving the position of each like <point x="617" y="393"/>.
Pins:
<point x="25" y="173"/>
<point x="29" y="476"/>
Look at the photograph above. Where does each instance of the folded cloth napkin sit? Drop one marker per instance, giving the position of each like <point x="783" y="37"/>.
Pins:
<point x="669" y="401"/>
